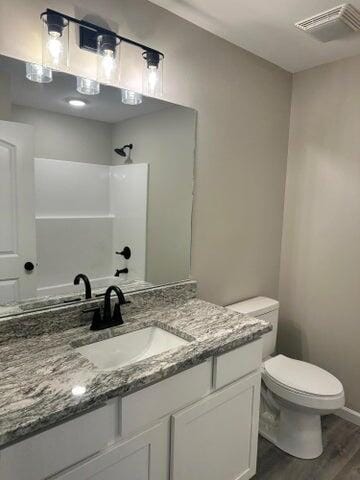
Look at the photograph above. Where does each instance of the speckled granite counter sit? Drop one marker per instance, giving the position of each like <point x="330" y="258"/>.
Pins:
<point x="38" y="371"/>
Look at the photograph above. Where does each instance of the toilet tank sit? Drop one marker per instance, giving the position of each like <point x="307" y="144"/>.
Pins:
<point x="266" y="309"/>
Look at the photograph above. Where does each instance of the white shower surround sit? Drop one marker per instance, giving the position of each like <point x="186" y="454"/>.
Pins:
<point x="84" y="213"/>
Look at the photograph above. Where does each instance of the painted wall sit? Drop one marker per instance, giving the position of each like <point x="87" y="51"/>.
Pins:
<point x="5" y="101"/>
<point x="66" y="137"/>
<point x="320" y="266"/>
<point x="166" y="141"/>
<point x="243" y="105"/>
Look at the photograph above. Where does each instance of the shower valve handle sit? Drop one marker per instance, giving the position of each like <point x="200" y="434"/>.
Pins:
<point x="126" y="253"/>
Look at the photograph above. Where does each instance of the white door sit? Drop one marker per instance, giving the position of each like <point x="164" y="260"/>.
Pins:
<point x="216" y="439"/>
<point x="143" y="457"/>
<point x="17" y="213"/>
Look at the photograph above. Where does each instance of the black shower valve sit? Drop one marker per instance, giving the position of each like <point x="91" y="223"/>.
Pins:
<point x="126" y="253"/>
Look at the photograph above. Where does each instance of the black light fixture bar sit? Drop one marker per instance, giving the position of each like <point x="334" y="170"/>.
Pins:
<point x="89" y="33"/>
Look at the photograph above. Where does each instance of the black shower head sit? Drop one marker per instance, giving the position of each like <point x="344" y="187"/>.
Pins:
<point x="121" y="151"/>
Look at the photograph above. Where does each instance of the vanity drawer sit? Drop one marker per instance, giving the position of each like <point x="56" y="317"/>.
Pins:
<point x="46" y="453"/>
<point x="237" y="363"/>
<point x="148" y="405"/>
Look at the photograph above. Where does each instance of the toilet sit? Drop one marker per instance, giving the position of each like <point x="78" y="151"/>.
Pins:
<point x="294" y="394"/>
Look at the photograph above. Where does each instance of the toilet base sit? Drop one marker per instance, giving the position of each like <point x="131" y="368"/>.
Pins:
<point x="295" y="432"/>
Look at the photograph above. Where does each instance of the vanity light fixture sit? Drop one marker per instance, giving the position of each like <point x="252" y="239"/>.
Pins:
<point x="152" y="73"/>
<point x="105" y="43"/>
<point x="55" y="40"/>
<point x="86" y="86"/>
<point x="38" y="73"/>
<point x="108" y="58"/>
<point x="130" y="98"/>
<point x="76" y="102"/>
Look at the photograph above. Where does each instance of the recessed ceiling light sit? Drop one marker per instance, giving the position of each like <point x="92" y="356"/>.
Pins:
<point x="76" y="102"/>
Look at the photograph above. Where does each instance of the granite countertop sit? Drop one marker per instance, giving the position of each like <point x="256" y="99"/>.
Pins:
<point x="38" y="373"/>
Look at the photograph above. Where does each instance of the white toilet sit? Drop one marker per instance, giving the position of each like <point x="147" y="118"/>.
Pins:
<point x="294" y="394"/>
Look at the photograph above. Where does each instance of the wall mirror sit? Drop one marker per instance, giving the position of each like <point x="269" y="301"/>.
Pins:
<point x="89" y="185"/>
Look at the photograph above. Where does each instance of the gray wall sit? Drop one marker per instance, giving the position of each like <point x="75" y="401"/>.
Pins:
<point x="320" y="267"/>
<point x="5" y="99"/>
<point x="243" y="105"/>
<point x="65" y="137"/>
<point x="166" y="141"/>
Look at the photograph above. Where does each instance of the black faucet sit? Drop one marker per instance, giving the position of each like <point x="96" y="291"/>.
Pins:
<point x="116" y="318"/>
<point x="82" y="276"/>
<point x="108" y="320"/>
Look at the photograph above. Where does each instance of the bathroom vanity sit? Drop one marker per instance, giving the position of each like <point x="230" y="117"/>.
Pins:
<point x="182" y="413"/>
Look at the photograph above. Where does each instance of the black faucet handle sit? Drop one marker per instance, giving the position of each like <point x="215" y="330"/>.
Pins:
<point x="117" y="317"/>
<point x="96" y="323"/>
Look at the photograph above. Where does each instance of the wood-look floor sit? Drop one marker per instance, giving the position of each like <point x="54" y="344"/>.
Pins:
<point x="339" y="461"/>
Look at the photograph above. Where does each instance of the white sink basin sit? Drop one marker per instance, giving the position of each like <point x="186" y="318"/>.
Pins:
<point x="131" y="347"/>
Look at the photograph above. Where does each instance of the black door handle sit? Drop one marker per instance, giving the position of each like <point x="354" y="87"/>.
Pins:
<point x="29" y="266"/>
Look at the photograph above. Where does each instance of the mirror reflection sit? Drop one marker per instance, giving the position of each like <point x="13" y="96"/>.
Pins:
<point x="93" y="192"/>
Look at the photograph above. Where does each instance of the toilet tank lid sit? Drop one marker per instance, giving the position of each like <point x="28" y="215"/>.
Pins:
<point x="255" y="306"/>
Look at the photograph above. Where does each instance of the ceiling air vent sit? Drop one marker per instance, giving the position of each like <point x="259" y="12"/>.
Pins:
<point x="332" y="24"/>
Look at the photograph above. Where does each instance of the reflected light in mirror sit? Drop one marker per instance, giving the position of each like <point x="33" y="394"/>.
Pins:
<point x="38" y="73"/>
<point x="76" y="102"/>
<point x="130" y="98"/>
<point x="78" y="390"/>
<point x="86" y="86"/>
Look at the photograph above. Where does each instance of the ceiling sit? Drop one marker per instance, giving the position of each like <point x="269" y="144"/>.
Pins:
<point x="266" y="28"/>
<point x="105" y="107"/>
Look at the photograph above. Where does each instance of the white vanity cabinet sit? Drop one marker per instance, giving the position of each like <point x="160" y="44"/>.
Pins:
<point x="143" y="457"/>
<point x="216" y="439"/>
<point x="201" y="423"/>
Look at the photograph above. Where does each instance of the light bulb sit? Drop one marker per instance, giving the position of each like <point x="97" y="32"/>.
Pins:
<point x="108" y="50"/>
<point x="152" y="79"/>
<point x="55" y="41"/>
<point x="55" y="47"/>
<point x="108" y="63"/>
<point x="152" y="74"/>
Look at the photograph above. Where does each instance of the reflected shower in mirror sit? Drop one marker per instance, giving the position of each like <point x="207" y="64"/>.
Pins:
<point x="90" y="186"/>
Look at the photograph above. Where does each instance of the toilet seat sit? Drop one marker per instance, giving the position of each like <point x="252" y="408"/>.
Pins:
<point x="302" y="383"/>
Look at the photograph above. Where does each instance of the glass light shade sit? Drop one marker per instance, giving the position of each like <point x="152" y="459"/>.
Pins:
<point x="86" y="86"/>
<point x="38" y="73"/>
<point x="131" y="98"/>
<point x="153" y="74"/>
<point x="108" y="59"/>
<point x="55" y="41"/>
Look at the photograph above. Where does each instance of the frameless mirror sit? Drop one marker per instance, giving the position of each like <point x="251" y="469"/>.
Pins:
<point x="89" y="185"/>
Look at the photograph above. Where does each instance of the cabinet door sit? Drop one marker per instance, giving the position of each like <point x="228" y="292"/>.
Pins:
<point x="216" y="439"/>
<point x="144" y="457"/>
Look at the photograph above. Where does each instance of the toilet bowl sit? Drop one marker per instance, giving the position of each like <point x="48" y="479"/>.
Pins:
<point x="294" y="394"/>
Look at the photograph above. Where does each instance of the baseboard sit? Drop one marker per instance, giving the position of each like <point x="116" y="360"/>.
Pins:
<point x="350" y="415"/>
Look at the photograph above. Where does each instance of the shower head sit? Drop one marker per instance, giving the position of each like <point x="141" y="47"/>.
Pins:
<point x="121" y="151"/>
